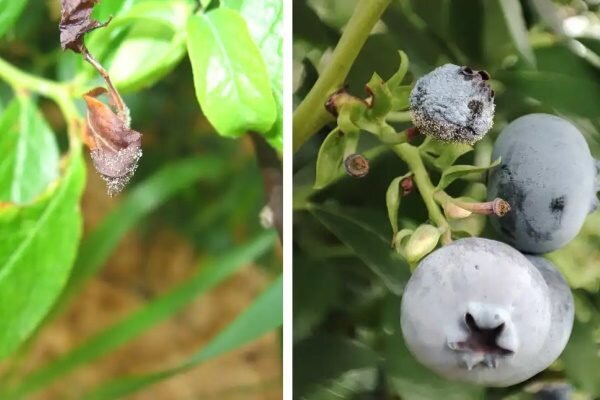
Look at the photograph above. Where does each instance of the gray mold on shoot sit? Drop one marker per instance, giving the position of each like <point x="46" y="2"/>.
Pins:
<point x="453" y="103"/>
<point x="477" y="311"/>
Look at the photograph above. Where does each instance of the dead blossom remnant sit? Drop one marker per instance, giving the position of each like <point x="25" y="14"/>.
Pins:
<point x="115" y="148"/>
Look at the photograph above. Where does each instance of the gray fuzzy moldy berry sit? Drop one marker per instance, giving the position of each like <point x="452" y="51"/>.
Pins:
<point x="549" y="178"/>
<point x="478" y="311"/>
<point x="453" y="103"/>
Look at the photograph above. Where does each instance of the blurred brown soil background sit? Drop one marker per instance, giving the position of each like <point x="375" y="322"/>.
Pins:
<point x="139" y="270"/>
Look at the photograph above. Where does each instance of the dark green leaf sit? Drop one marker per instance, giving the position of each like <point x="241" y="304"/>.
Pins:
<point x="371" y="247"/>
<point x="230" y="76"/>
<point x="320" y="359"/>
<point x="317" y="288"/>
<point x="9" y="13"/>
<point x="38" y="243"/>
<point x="29" y="161"/>
<point x="156" y="311"/>
<point x="261" y="317"/>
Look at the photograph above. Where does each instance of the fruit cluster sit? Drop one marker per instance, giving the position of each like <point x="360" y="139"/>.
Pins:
<point x="480" y="310"/>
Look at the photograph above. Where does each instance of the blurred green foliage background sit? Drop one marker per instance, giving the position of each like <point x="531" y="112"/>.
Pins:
<point x="543" y="56"/>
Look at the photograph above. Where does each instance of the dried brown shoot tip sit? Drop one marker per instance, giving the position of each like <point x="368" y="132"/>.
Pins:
<point x="356" y="165"/>
<point x="115" y="148"/>
<point x="407" y="185"/>
<point x="412" y="133"/>
<point x="75" y="22"/>
<point x="500" y="207"/>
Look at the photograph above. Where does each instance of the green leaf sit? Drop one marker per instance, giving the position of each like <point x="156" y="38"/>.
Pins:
<point x="142" y="44"/>
<point x="317" y="289"/>
<point x="457" y="171"/>
<point x="262" y="316"/>
<point x="321" y="359"/>
<point x="563" y="95"/>
<point x="515" y="21"/>
<point x="10" y="10"/>
<point x="265" y="23"/>
<point x="372" y="248"/>
<point x="230" y="76"/>
<point x="330" y="158"/>
<point x="392" y="201"/>
<point x="445" y="153"/>
<point x="29" y="161"/>
<point x="140" y="201"/>
<point x="580" y="357"/>
<point x="38" y="243"/>
<point x="156" y="311"/>
<point x="382" y="97"/>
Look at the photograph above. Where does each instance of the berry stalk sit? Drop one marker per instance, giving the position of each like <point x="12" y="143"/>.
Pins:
<point x="410" y="155"/>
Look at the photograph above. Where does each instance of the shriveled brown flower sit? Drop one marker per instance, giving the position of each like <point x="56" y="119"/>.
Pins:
<point x="75" y="22"/>
<point x="115" y="147"/>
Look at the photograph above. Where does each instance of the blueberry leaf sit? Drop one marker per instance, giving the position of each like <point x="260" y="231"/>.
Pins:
<point x="38" y="248"/>
<point x="10" y="10"/>
<point x="458" y="171"/>
<point x="330" y="158"/>
<point x="29" y="161"/>
<point x="321" y="359"/>
<point x="368" y="245"/>
<point x="230" y="76"/>
<point x="264" y="19"/>
<point x="142" y="43"/>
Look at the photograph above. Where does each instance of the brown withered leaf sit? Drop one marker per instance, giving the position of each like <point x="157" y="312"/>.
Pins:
<point x="75" y="22"/>
<point x="115" y="147"/>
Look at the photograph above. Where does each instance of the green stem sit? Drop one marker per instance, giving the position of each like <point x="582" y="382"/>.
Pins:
<point x="411" y="156"/>
<point x="59" y="93"/>
<point x="399" y="116"/>
<point x="311" y="115"/>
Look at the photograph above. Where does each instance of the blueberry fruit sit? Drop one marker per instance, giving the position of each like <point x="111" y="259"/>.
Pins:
<point x="453" y="103"/>
<point x="562" y="310"/>
<point x="478" y="311"/>
<point x="548" y="177"/>
<point x="555" y="391"/>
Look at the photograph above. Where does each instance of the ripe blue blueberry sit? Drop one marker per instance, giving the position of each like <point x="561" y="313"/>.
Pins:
<point x="562" y="310"/>
<point x="478" y="311"/>
<point x="548" y="177"/>
<point x="453" y="103"/>
<point x="555" y="391"/>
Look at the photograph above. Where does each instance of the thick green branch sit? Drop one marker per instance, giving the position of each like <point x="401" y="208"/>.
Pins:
<point x="311" y="115"/>
<point x="410" y="155"/>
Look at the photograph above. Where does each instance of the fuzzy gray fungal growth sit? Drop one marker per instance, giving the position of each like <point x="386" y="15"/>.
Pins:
<point x="549" y="178"/>
<point x="478" y="311"/>
<point x="453" y="103"/>
<point x="116" y="169"/>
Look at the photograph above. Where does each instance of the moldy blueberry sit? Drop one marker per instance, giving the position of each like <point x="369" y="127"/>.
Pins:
<point x="453" y="103"/>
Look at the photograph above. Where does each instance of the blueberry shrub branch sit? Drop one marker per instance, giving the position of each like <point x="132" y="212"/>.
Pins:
<point x="310" y="116"/>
